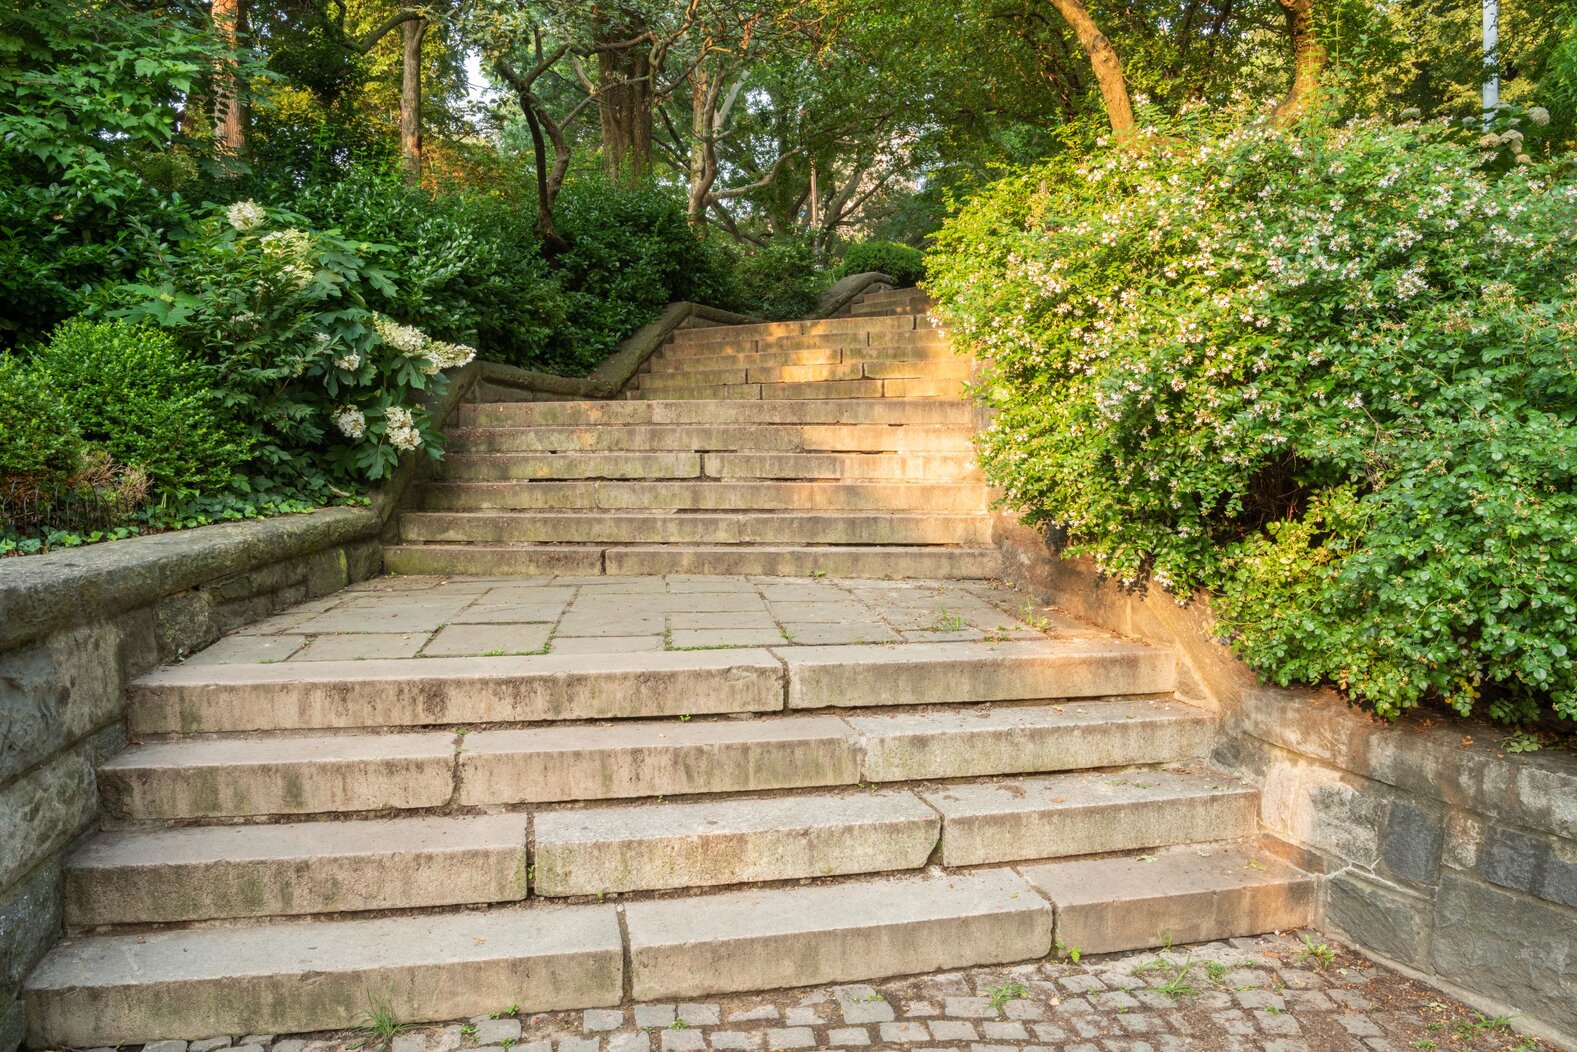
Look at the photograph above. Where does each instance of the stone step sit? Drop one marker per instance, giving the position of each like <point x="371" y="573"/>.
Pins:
<point x="746" y="841"/>
<point x="688" y="412"/>
<point x="232" y="871"/>
<point x="771" y="329"/>
<point x="813" y="390"/>
<point x="903" y="295"/>
<point x="894" y="342"/>
<point x="647" y="527"/>
<point x="1088" y="814"/>
<point x="266" y="774"/>
<point x="1174" y="896"/>
<point x="878" y="308"/>
<point x="323" y="975"/>
<point x="879" y="561"/>
<point x="707" y="374"/>
<point x="752" y="438"/>
<point x="765" y="939"/>
<point x="702" y="495"/>
<point x="571" y="465"/>
<point x="747" y="356"/>
<point x="407" y="692"/>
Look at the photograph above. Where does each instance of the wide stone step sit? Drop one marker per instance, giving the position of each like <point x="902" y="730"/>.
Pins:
<point x="689" y="412"/>
<point x="753" y="354"/>
<point x="693" y="845"/>
<point x="702" y="495"/>
<point x="323" y="975"/>
<point x="917" y="388"/>
<point x="256" y="775"/>
<point x="771" y="938"/>
<point x="198" y="697"/>
<point x="1088" y="814"/>
<point x="877" y="561"/>
<point x="910" y="467"/>
<point x="693" y="528"/>
<point x="571" y="465"/>
<point x="230" y="871"/>
<point x="406" y="692"/>
<point x="890" y="307"/>
<point x="689" y="375"/>
<point x="1179" y="895"/>
<point x="770" y="329"/>
<point x="740" y="438"/>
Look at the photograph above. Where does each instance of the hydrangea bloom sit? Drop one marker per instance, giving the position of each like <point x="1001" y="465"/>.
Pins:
<point x="451" y="355"/>
<point x="403" y="338"/>
<point x="398" y="417"/>
<point x="350" y="362"/>
<point x="352" y="422"/>
<point x="246" y="216"/>
<point x="404" y="439"/>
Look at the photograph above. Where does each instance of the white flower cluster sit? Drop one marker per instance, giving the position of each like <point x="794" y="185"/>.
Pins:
<point x="413" y="343"/>
<point x="352" y="422"/>
<point x="402" y="432"/>
<point x="246" y="216"/>
<point x="349" y="362"/>
<point x="290" y="252"/>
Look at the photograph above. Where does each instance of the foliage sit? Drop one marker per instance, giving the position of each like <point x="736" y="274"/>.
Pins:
<point x="631" y="253"/>
<point x="39" y="442"/>
<point x="904" y="264"/>
<point x="780" y="281"/>
<point x="279" y="315"/>
<point x="1326" y="372"/>
<point x="131" y="391"/>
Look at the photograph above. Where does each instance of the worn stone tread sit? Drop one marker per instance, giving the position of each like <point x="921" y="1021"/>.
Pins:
<point x="764" y="939"/>
<point x="1088" y="814"/>
<point x="651" y="846"/>
<point x="717" y="411"/>
<point x="205" y="872"/>
<point x="656" y="527"/>
<point x="321" y="975"/>
<point x="1177" y="895"/>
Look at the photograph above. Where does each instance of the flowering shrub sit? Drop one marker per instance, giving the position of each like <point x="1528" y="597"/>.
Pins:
<point x="1326" y="372"/>
<point x="279" y="313"/>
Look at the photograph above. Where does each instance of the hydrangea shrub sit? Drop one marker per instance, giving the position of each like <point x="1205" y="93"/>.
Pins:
<point x="279" y="313"/>
<point x="1325" y="372"/>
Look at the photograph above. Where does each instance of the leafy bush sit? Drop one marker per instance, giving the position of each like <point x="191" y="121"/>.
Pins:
<point x="1327" y="373"/>
<point x="781" y="281"/>
<point x="278" y="314"/>
<point x="39" y="442"/>
<point x="904" y="264"/>
<point x="131" y="392"/>
<point x="631" y="253"/>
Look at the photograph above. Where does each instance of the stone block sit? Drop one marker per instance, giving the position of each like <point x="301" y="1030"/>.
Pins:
<point x="1389" y="920"/>
<point x="317" y="975"/>
<point x="1507" y="946"/>
<point x="186" y="622"/>
<point x="54" y="692"/>
<point x="30" y="919"/>
<point x="1323" y="808"/>
<point x="327" y="571"/>
<point x="1531" y="864"/>
<point x="13" y="1024"/>
<point x="43" y="810"/>
<point x="1411" y="843"/>
<point x="363" y="560"/>
<point x="769" y="938"/>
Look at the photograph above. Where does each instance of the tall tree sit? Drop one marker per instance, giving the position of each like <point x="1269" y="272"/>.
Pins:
<point x="229" y="17"/>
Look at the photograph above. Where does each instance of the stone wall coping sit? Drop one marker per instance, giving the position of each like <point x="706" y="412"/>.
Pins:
<point x="845" y="291"/>
<point x="1442" y="759"/>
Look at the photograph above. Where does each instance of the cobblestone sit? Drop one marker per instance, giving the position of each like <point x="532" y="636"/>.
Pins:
<point x="1247" y="995"/>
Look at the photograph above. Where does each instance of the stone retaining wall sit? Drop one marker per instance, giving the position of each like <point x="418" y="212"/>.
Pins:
<point x="75" y="625"/>
<point x="1443" y="855"/>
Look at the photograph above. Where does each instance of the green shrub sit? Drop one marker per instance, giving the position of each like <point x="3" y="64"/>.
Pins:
<point x="134" y="394"/>
<point x="900" y="262"/>
<point x="781" y="281"/>
<point x="39" y="442"/>
<point x="326" y="388"/>
<point x="1327" y="373"/>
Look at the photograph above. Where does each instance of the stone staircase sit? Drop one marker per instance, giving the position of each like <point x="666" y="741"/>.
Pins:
<point x="838" y="447"/>
<point x="833" y="779"/>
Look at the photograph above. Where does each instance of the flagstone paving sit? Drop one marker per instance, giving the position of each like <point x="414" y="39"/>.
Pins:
<point x="408" y="617"/>
<point x="1275" y="993"/>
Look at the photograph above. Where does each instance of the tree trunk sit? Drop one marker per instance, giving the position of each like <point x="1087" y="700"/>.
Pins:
<point x="624" y="107"/>
<point x="1308" y="58"/>
<point x="703" y="157"/>
<point x="229" y="113"/>
<point x="411" y="98"/>
<point x="1105" y="63"/>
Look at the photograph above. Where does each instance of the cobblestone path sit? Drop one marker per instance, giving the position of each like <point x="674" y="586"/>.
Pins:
<point x="1276" y="993"/>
